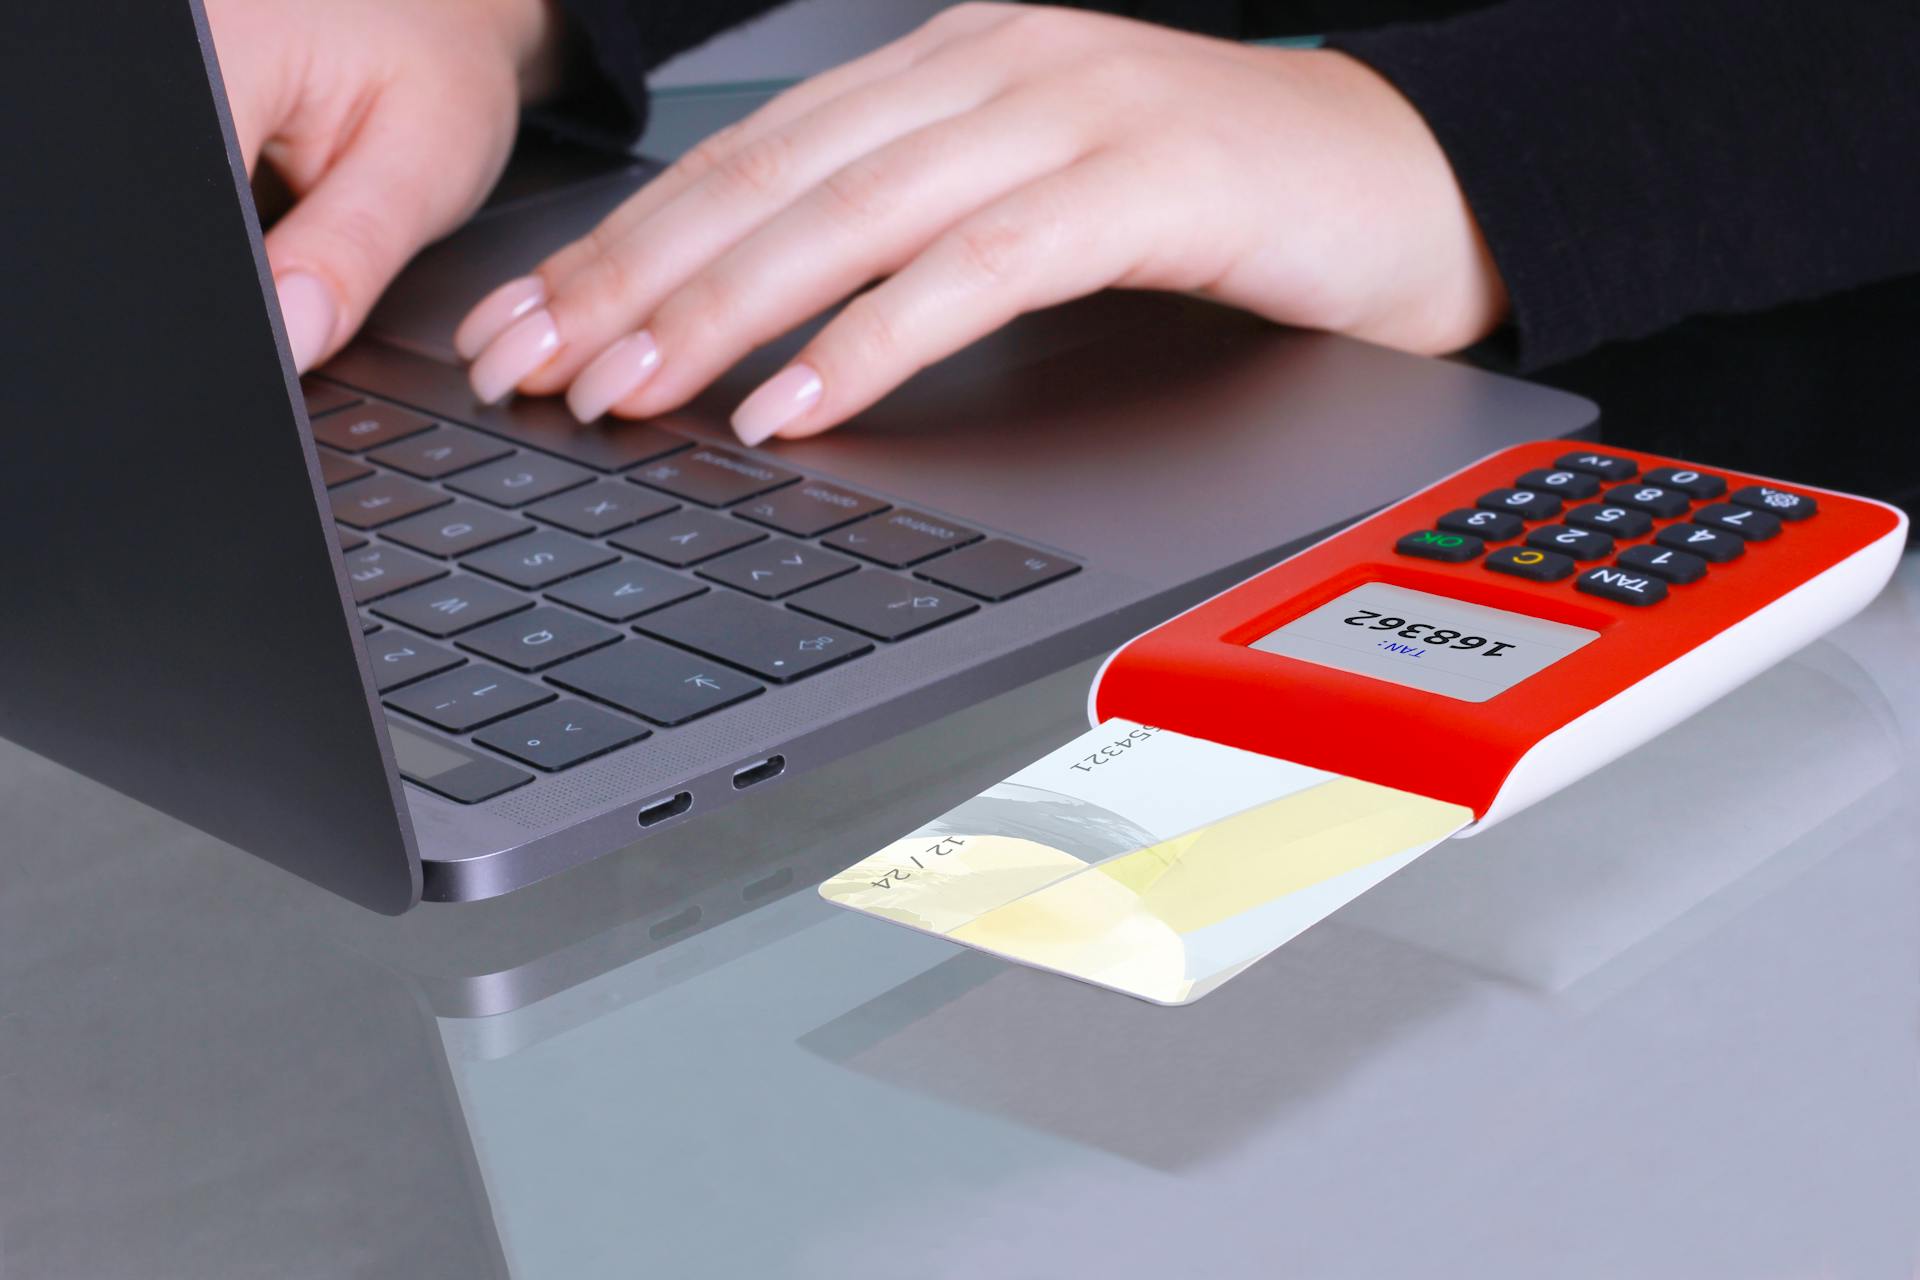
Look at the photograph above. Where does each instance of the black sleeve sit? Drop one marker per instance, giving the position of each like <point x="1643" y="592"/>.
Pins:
<point x="1636" y="162"/>
<point x="615" y="43"/>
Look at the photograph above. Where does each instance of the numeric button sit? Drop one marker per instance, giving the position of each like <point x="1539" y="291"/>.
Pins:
<point x="1625" y="585"/>
<point x="1695" y="484"/>
<point x="1571" y="485"/>
<point x="1431" y="544"/>
<point x="1605" y="465"/>
<point x="1620" y="522"/>
<point x="1491" y="526"/>
<point x="1529" y="504"/>
<point x="1674" y="566"/>
<point x="468" y="697"/>
<point x="1531" y="563"/>
<point x="1651" y="498"/>
<point x="1709" y="544"/>
<point x="398" y="658"/>
<point x="1750" y="523"/>
<point x="1581" y="544"/>
<point x="1788" y="506"/>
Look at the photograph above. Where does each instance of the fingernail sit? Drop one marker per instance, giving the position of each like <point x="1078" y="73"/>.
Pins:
<point x="493" y="313"/>
<point x="777" y="401"/>
<point x="528" y="343"/>
<point x="613" y="376"/>
<point x="310" y="312"/>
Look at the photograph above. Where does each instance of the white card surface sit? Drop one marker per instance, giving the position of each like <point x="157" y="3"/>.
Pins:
<point x="1146" y="861"/>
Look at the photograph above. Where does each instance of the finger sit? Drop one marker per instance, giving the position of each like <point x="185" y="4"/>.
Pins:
<point x="391" y="190"/>
<point x="865" y="221"/>
<point x="1065" y="236"/>
<point x="631" y="273"/>
<point x="803" y="99"/>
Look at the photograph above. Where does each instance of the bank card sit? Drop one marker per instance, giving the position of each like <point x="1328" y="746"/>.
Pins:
<point x="1147" y="861"/>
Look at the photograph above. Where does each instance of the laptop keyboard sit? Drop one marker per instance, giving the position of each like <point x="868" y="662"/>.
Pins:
<point x="527" y="612"/>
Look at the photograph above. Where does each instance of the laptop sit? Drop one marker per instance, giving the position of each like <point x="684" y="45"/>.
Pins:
<point x="405" y="645"/>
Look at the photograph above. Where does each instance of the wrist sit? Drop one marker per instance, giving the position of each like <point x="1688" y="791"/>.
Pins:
<point x="535" y="38"/>
<point x="1442" y="290"/>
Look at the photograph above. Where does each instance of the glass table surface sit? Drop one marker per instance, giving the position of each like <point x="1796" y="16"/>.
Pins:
<point x="1663" y="1024"/>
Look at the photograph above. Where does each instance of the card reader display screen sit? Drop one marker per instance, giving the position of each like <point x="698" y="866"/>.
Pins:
<point x="1424" y="641"/>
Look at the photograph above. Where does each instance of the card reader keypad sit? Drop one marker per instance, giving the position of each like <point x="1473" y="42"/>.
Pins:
<point x="1680" y="529"/>
<point x="649" y="578"/>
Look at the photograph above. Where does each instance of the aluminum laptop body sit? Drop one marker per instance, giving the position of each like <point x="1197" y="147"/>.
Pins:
<point x="183" y="624"/>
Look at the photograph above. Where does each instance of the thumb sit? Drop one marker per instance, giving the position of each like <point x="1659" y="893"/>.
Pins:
<point x="383" y="198"/>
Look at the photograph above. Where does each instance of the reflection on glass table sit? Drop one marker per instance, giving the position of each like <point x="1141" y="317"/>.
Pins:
<point x="1662" y="1025"/>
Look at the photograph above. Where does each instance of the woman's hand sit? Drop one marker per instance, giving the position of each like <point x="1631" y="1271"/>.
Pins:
<point x="997" y="160"/>
<point x="388" y="119"/>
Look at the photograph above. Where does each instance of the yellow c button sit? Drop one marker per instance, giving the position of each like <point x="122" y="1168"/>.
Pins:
<point x="1528" y="557"/>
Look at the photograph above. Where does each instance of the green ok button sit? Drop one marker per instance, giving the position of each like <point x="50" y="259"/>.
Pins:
<point x="1432" y="544"/>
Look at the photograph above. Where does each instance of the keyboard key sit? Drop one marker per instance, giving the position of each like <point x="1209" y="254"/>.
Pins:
<point x="1431" y="544"/>
<point x="460" y="603"/>
<point x="1751" y="523"/>
<point x="468" y="697"/>
<point x="560" y="734"/>
<point x="1716" y="545"/>
<point x="716" y="477"/>
<point x="1624" y="585"/>
<point x="1674" y="566"/>
<point x="368" y="427"/>
<point x="770" y="642"/>
<point x="900" y="538"/>
<point x="1695" y="484"/>
<point x="398" y="658"/>
<point x="1621" y="522"/>
<point x="326" y="397"/>
<point x="375" y="571"/>
<point x="517" y="480"/>
<point x="686" y="537"/>
<point x="455" y="530"/>
<point x="997" y="569"/>
<point x="1650" y="498"/>
<point x="1604" y="465"/>
<point x="538" y="638"/>
<point x="1564" y="483"/>
<point x="601" y="508"/>
<point x="368" y="626"/>
<point x="441" y="452"/>
<point x="544" y="424"/>
<point x="809" y="509"/>
<point x="1788" y="506"/>
<point x="1531" y="562"/>
<point x="1529" y="504"/>
<point x="337" y="468"/>
<point x="1490" y="526"/>
<point x="540" y="559"/>
<point x="777" y="567"/>
<point x="665" y="685"/>
<point x="884" y="605"/>
<point x="624" y="591"/>
<point x="348" y="539"/>
<point x="1581" y="544"/>
<point x="449" y="768"/>
<point x="382" y="499"/>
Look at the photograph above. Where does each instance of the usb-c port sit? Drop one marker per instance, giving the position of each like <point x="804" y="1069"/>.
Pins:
<point x="771" y="767"/>
<point x="660" y="810"/>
